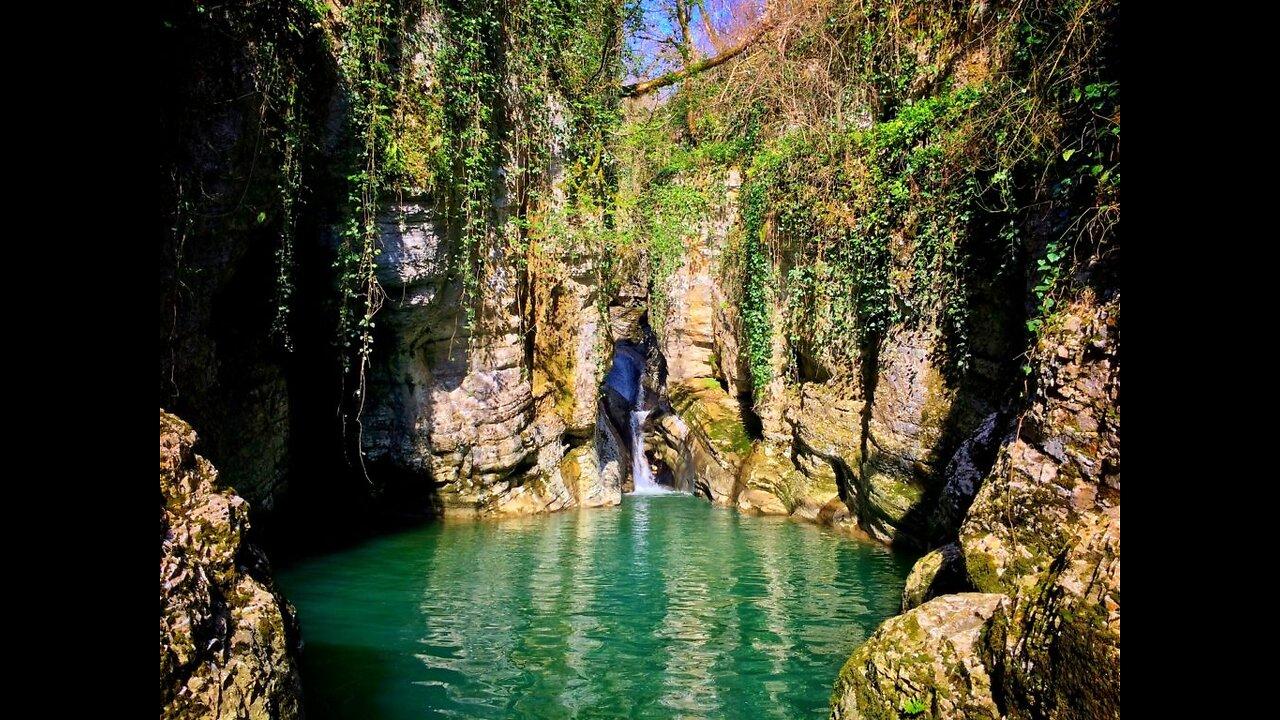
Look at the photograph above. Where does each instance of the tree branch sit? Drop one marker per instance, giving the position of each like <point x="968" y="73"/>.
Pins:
<point x="648" y="86"/>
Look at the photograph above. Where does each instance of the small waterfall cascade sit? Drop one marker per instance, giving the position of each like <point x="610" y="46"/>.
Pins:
<point x="640" y="470"/>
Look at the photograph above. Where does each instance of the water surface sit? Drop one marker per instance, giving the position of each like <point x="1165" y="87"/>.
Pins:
<point x="662" y="608"/>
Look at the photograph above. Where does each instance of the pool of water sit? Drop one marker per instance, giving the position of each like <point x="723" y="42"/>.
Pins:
<point x="664" y="607"/>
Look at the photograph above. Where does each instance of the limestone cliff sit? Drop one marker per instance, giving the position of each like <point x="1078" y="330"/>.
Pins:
<point x="823" y="447"/>
<point x="494" y="411"/>
<point x="346" y="180"/>
<point x="1042" y="540"/>
<point x="502" y="416"/>
<point x="896" y="311"/>
<point x="228" y="640"/>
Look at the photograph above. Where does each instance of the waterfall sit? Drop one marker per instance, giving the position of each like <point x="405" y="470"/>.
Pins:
<point x="640" y="470"/>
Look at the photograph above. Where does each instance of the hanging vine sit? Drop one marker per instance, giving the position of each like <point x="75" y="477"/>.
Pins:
<point x="289" y="189"/>
<point x="757" y="301"/>
<point x="470" y="63"/>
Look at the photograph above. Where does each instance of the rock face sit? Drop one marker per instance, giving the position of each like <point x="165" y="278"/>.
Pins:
<point x="715" y="445"/>
<point x="831" y="445"/>
<point x="1063" y="467"/>
<point x="228" y="640"/>
<point x="699" y="432"/>
<point x="937" y="573"/>
<point x="1059" y="646"/>
<point x="627" y="313"/>
<point x="219" y="365"/>
<point x="1043" y="538"/>
<point x="455" y="416"/>
<point x="873" y="446"/>
<point x="888" y="440"/>
<point x="1045" y="527"/>
<point x="964" y="475"/>
<point x="770" y="481"/>
<point x="495" y="412"/>
<point x="490" y="415"/>
<point x="928" y="663"/>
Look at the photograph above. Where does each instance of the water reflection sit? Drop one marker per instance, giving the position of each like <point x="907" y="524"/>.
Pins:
<point x="663" y="608"/>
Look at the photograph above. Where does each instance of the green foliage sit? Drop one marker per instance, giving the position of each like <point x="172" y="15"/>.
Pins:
<point x="757" y="301"/>
<point x="512" y="75"/>
<point x="914" y="706"/>
<point x="475" y="121"/>
<point x="371" y="35"/>
<point x="469" y="61"/>
<point x="289" y="187"/>
<point x="273" y="37"/>
<point x="919" y="178"/>
<point x="842" y="198"/>
<point x="1048" y="272"/>
<point x="673" y="211"/>
<point x="564" y="59"/>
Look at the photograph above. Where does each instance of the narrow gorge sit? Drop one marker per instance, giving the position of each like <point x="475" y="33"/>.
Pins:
<point x="640" y="358"/>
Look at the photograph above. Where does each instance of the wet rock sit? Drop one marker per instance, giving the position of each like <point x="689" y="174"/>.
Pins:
<point x="771" y="483"/>
<point x="600" y="470"/>
<point x="667" y="438"/>
<point x="716" y="443"/>
<point x="627" y="312"/>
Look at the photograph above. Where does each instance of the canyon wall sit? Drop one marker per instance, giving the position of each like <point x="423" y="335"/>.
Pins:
<point x="420" y="307"/>
<point x="489" y="396"/>
<point x="221" y="365"/>
<point x="1041" y="544"/>
<point x="904" y="323"/>
<point x="886" y="445"/>
<point x="502" y="416"/>
<point x="1015" y="611"/>
<point x="893" y="311"/>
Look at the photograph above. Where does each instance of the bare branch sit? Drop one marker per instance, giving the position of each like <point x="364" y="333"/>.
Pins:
<point x="648" y="86"/>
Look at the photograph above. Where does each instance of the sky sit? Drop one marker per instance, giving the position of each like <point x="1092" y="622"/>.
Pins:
<point x="654" y="21"/>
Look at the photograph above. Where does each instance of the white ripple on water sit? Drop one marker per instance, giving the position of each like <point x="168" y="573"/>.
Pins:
<point x="769" y="553"/>
<point x="579" y="691"/>
<point x="686" y="675"/>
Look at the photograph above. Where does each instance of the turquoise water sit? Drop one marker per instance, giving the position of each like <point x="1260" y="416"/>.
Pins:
<point x="662" y="608"/>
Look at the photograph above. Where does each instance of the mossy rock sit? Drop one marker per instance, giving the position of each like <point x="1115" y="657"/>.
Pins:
<point x="939" y="572"/>
<point x="707" y="409"/>
<point x="927" y="663"/>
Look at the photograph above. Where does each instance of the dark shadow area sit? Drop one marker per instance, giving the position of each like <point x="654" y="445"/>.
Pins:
<point x="345" y="681"/>
<point x="808" y="369"/>
<point x="979" y="358"/>
<point x="262" y="387"/>
<point x="751" y="422"/>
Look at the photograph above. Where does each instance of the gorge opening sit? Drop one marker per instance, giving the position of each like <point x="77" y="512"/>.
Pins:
<point x="600" y="358"/>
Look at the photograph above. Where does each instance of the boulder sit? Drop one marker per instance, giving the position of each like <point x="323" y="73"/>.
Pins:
<point x="926" y="664"/>
<point x="937" y="573"/>
<point x="228" y="639"/>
